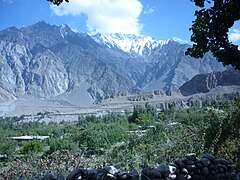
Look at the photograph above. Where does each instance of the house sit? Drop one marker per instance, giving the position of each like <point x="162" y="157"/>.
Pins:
<point x="29" y="138"/>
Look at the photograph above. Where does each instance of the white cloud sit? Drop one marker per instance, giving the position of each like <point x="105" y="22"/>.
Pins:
<point x="234" y="35"/>
<point x="105" y="16"/>
<point x="149" y="10"/>
<point x="182" y="41"/>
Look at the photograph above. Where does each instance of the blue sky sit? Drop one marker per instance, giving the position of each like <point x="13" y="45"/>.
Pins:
<point x="161" y="19"/>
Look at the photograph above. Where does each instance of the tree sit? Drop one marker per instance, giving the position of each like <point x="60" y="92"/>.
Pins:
<point x="32" y="147"/>
<point x="222" y="132"/>
<point x="8" y="147"/>
<point x="210" y="30"/>
<point x="57" y="2"/>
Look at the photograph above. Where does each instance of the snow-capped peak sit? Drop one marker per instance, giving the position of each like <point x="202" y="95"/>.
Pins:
<point x="138" y="44"/>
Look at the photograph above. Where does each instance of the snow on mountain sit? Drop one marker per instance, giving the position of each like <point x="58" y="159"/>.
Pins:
<point x="135" y="44"/>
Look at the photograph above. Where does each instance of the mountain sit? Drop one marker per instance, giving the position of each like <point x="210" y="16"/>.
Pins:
<point x="136" y="45"/>
<point x="44" y="61"/>
<point x="53" y="62"/>
<point x="203" y="83"/>
<point x="167" y="66"/>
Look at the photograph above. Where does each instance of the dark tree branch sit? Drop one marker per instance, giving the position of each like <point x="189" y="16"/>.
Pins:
<point x="57" y="2"/>
<point x="210" y="31"/>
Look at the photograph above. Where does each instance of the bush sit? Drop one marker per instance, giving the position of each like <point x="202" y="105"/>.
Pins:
<point x="32" y="147"/>
<point x="8" y="147"/>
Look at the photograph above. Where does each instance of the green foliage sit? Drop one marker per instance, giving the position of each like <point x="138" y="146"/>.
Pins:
<point x="100" y="136"/>
<point x="32" y="147"/>
<point x="143" y="116"/>
<point x="8" y="147"/>
<point x="61" y="143"/>
<point x="210" y="31"/>
<point x="222" y="132"/>
<point x="117" y="139"/>
<point x="143" y="120"/>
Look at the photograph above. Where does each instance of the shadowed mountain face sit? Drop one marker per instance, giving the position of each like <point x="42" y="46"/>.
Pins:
<point x="46" y="61"/>
<point x="203" y="83"/>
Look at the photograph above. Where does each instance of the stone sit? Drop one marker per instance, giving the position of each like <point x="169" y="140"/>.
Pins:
<point x="184" y="171"/>
<point x="150" y="173"/>
<point x="189" y="162"/>
<point x="163" y="169"/>
<point x="213" y="172"/>
<point x="205" y="161"/>
<point x="191" y="167"/>
<point x="179" y="163"/>
<point x="172" y="176"/>
<point x="180" y="177"/>
<point x="213" y="167"/>
<point x="199" y="165"/>
<point x="197" y="177"/>
<point x="133" y="175"/>
<point x="184" y="160"/>
<point x="110" y="169"/>
<point x="92" y="174"/>
<point x="49" y="177"/>
<point x="223" y="161"/>
<point x="205" y="171"/>
<point x="209" y="156"/>
<point x="191" y="156"/>
<point x="172" y="168"/>
<point x="77" y="173"/>
<point x="122" y="175"/>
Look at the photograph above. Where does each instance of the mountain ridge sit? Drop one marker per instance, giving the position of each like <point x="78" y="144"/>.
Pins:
<point x="45" y="61"/>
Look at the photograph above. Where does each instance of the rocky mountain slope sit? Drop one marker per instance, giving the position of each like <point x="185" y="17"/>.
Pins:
<point x="48" y="61"/>
<point x="166" y="65"/>
<point x="45" y="61"/>
<point x="203" y="83"/>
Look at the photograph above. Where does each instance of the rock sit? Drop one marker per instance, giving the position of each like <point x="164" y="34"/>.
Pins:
<point x="213" y="167"/>
<point x="205" y="171"/>
<point x="92" y="174"/>
<point x="172" y="176"/>
<point x="102" y="174"/>
<point x="199" y="165"/>
<point x="181" y="177"/>
<point x="205" y="161"/>
<point x="191" y="167"/>
<point x="110" y="170"/>
<point x="133" y="175"/>
<point x="52" y="177"/>
<point x="77" y="173"/>
<point x="189" y="162"/>
<point x="172" y="168"/>
<point x="179" y="163"/>
<point x="223" y="161"/>
<point x="197" y="177"/>
<point x="209" y="156"/>
<point x="148" y="173"/>
<point x="184" y="171"/>
<point x="191" y="157"/>
<point x="164" y="170"/>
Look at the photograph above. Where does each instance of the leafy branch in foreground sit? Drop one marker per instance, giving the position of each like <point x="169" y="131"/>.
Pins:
<point x="210" y="31"/>
<point x="57" y="2"/>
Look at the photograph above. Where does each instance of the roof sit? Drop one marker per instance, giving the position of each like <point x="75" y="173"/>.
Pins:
<point x="29" y="137"/>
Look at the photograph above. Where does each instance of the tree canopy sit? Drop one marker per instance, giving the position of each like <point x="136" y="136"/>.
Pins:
<point x="57" y="2"/>
<point x="210" y="30"/>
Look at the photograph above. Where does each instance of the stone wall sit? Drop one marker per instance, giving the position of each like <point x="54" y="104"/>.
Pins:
<point x="206" y="167"/>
